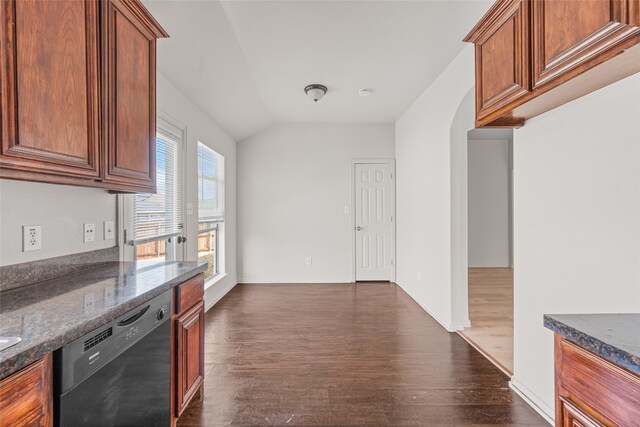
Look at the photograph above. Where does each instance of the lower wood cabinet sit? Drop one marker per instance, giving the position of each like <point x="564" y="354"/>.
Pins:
<point x="190" y="355"/>
<point x="574" y="416"/>
<point x="188" y="343"/>
<point x="591" y="391"/>
<point x="26" y="397"/>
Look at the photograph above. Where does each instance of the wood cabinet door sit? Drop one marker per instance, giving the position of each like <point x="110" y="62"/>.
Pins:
<point x="189" y="355"/>
<point x="26" y="397"/>
<point x="566" y="33"/>
<point x="129" y="79"/>
<point x="502" y="58"/>
<point x="49" y="89"/>
<point x="574" y="416"/>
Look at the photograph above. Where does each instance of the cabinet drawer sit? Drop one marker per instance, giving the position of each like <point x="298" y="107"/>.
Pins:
<point x="189" y="293"/>
<point x="609" y="394"/>
<point x="26" y="397"/>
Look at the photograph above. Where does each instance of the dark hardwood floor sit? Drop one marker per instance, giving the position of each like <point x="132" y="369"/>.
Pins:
<point x="362" y="354"/>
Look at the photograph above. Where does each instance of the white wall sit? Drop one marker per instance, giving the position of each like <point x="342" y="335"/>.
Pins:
<point x="488" y="189"/>
<point x="431" y="149"/>
<point x="200" y="127"/>
<point x="61" y="210"/>
<point x="576" y="223"/>
<point x="294" y="182"/>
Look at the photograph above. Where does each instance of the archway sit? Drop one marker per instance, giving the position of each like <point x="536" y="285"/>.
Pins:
<point x="462" y="123"/>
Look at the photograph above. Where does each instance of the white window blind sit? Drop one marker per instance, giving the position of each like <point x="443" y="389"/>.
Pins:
<point x="210" y="185"/>
<point x="159" y="216"/>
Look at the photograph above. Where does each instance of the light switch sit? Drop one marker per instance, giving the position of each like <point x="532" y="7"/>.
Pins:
<point x="109" y="230"/>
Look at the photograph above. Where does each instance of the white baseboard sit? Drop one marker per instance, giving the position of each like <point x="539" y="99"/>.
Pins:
<point x="532" y="400"/>
<point x="215" y="292"/>
<point x="289" y="280"/>
<point x="448" y="326"/>
<point x="460" y="326"/>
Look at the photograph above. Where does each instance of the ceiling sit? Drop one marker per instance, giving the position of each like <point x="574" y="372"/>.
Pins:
<point x="245" y="63"/>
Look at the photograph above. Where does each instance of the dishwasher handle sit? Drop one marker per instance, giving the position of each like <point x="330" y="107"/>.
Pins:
<point x="130" y="320"/>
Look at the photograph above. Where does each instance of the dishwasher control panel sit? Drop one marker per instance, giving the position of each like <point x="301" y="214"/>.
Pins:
<point x="85" y="355"/>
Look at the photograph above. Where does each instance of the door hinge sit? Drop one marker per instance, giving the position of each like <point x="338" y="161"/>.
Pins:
<point x="391" y="262"/>
<point x="392" y="175"/>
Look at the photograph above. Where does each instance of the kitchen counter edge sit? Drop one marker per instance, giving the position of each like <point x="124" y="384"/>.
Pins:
<point x="567" y="326"/>
<point x="24" y="358"/>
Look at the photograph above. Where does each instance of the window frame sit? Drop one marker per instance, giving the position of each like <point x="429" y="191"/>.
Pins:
<point x="126" y="202"/>
<point x="215" y="223"/>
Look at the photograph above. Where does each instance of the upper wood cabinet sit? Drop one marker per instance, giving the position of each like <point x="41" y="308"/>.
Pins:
<point x="535" y="55"/>
<point x="569" y="32"/>
<point x="129" y="82"/>
<point x="50" y="87"/>
<point x="77" y="80"/>
<point x="502" y="57"/>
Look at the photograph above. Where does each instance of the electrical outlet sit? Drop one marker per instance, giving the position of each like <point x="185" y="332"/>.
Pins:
<point x="419" y="275"/>
<point x="89" y="233"/>
<point x="109" y="230"/>
<point x="309" y="260"/>
<point x="31" y="238"/>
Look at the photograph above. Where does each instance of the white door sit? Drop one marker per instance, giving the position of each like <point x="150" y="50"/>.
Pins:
<point x="374" y="221"/>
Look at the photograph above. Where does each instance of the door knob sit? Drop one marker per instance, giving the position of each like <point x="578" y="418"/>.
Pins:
<point x="358" y="228"/>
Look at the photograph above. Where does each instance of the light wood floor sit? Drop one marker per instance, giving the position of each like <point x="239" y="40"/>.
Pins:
<point x="343" y="354"/>
<point x="491" y="314"/>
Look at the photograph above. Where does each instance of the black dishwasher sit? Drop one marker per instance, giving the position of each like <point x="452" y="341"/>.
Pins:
<point x="120" y="373"/>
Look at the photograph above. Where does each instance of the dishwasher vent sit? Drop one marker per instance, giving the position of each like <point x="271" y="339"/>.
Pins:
<point x="97" y="339"/>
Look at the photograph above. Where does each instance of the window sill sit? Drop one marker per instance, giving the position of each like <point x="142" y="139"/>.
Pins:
<point x="215" y="279"/>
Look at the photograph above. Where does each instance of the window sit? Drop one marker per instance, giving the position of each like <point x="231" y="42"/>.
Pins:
<point x="210" y="207"/>
<point x="157" y="218"/>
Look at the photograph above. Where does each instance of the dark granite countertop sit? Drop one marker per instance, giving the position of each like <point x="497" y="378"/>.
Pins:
<point x="50" y="314"/>
<point x="614" y="337"/>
